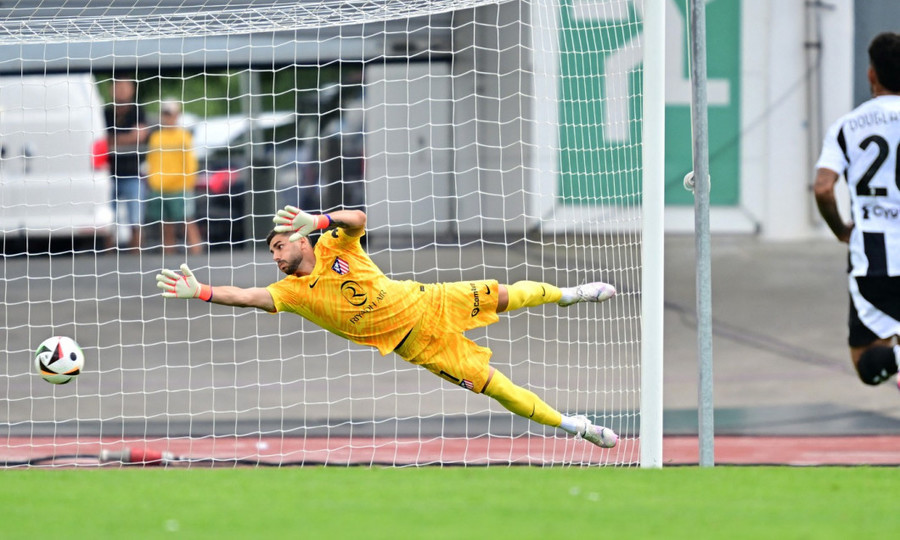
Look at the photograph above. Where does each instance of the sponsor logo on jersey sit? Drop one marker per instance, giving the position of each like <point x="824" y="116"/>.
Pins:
<point x="354" y="293"/>
<point x="356" y="296"/>
<point x="876" y="211"/>
<point x="476" y="300"/>
<point x="340" y="266"/>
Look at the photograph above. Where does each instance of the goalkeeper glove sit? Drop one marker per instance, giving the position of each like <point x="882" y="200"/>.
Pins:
<point x="292" y="219"/>
<point x="184" y="286"/>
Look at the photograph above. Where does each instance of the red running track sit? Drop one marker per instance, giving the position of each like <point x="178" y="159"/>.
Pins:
<point x="342" y="451"/>
<point x="858" y="450"/>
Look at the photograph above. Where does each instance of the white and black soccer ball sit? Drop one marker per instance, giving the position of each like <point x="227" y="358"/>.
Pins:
<point x="58" y="359"/>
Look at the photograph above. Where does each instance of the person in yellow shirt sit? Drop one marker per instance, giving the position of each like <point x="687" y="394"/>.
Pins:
<point x="337" y="286"/>
<point x="171" y="169"/>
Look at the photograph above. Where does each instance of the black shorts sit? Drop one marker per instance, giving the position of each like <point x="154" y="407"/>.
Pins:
<point x="883" y="292"/>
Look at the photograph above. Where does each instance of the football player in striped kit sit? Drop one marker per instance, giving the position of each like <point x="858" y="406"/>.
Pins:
<point x="863" y="146"/>
<point x="337" y="286"/>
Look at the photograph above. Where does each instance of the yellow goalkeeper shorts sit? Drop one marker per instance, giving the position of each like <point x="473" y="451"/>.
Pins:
<point x="437" y="342"/>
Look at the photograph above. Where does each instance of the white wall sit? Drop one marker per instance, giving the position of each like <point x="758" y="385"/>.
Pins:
<point x="779" y="146"/>
<point x="408" y="150"/>
<point x="491" y="114"/>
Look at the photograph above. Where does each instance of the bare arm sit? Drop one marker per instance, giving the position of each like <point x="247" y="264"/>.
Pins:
<point x="352" y="221"/>
<point x="131" y="138"/>
<point x="186" y="285"/>
<point x="255" y="297"/>
<point x="127" y="138"/>
<point x="827" y="203"/>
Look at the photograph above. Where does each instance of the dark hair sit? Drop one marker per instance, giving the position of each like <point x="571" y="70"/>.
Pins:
<point x="884" y="57"/>
<point x="270" y="236"/>
<point x="311" y="238"/>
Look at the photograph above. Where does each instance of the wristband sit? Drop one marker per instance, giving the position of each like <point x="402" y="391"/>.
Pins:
<point x="205" y="293"/>
<point x="321" y="221"/>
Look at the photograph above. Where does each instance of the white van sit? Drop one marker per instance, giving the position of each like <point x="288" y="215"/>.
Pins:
<point x="53" y="184"/>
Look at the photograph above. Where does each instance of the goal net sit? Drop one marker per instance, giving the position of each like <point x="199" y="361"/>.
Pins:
<point x="483" y="139"/>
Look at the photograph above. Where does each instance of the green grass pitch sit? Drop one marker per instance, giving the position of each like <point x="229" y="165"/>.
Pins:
<point x="492" y="502"/>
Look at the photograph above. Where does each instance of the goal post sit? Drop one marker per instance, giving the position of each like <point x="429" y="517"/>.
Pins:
<point x="517" y="140"/>
<point x="653" y="233"/>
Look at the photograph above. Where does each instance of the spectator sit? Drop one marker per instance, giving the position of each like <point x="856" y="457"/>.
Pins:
<point x="171" y="168"/>
<point x="126" y="132"/>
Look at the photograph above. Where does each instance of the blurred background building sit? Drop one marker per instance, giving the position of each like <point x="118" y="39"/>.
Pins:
<point x="779" y="73"/>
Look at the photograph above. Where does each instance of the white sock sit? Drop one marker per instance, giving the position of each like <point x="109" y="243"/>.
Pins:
<point x="897" y="356"/>
<point x="574" y="426"/>
<point x="568" y="295"/>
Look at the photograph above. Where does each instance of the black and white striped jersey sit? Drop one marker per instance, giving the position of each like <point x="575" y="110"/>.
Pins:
<point x="863" y="146"/>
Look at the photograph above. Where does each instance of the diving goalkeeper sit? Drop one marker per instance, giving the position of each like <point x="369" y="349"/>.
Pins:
<point x="336" y="285"/>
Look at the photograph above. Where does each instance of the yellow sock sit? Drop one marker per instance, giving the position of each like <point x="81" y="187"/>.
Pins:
<point x="521" y="401"/>
<point x="531" y="294"/>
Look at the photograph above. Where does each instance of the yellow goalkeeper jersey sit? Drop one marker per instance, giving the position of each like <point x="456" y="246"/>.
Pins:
<point x="347" y="294"/>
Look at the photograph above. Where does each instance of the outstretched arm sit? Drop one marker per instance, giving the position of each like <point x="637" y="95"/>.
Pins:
<point x="827" y="203"/>
<point x="187" y="286"/>
<point x="293" y="220"/>
<point x="256" y="297"/>
<point x="352" y="221"/>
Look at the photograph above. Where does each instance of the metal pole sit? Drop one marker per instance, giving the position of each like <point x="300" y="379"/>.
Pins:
<point x="697" y="17"/>
<point x="813" y="46"/>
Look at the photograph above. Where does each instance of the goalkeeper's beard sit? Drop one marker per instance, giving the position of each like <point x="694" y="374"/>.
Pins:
<point x="291" y="266"/>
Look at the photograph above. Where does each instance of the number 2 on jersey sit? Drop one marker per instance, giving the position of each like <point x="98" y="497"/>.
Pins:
<point x="862" y="187"/>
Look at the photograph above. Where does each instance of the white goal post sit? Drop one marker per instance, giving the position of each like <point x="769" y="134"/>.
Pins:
<point x="484" y="139"/>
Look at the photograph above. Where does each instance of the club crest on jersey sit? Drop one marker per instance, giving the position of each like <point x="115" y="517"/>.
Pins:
<point x="340" y="266"/>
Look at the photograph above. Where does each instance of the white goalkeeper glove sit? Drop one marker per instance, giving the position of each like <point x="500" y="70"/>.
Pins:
<point x="184" y="286"/>
<point x="292" y="219"/>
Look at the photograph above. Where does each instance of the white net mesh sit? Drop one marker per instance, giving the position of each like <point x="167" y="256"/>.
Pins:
<point x="68" y="21"/>
<point x="484" y="140"/>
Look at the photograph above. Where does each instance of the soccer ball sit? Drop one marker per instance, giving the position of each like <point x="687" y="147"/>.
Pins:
<point x="58" y="359"/>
